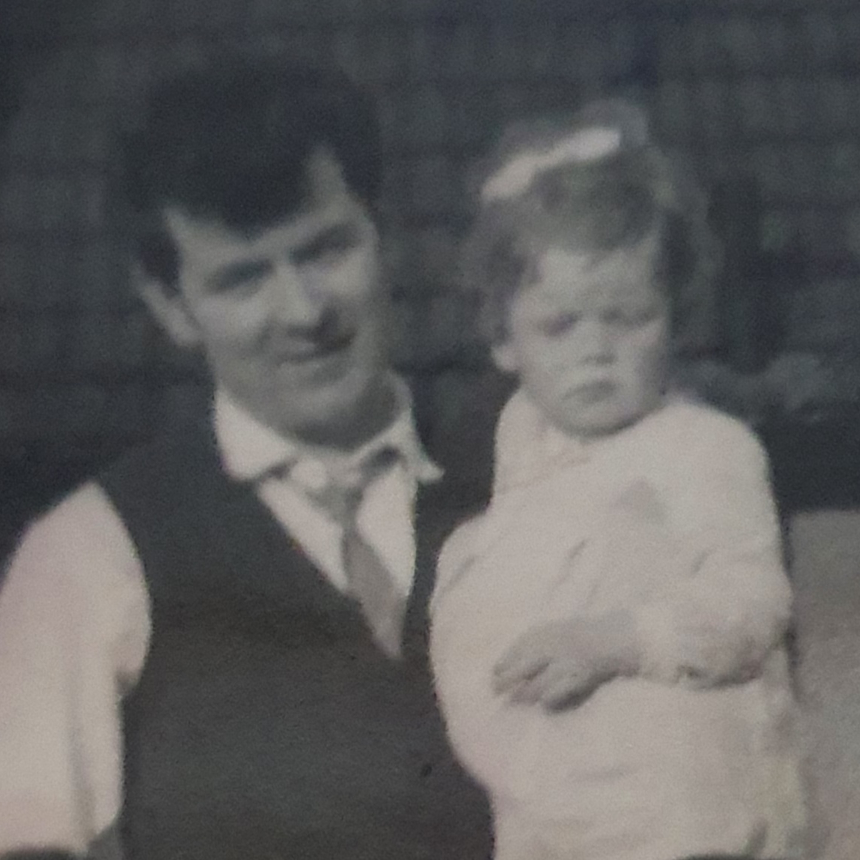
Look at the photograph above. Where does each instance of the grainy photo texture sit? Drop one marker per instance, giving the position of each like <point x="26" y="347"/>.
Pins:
<point x="429" y="430"/>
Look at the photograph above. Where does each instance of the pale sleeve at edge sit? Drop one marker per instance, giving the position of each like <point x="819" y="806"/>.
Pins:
<point x="74" y="630"/>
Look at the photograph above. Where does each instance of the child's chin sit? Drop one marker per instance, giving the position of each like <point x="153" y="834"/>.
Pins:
<point x="604" y="422"/>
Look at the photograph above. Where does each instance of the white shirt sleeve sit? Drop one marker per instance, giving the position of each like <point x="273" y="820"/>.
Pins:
<point x="721" y="623"/>
<point x="74" y="631"/>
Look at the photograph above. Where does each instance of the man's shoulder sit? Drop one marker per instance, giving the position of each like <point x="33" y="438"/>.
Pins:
<point x="93" y="508"/>
<point x="82" y="525"/>
<point x="85" y="504"/>
<point x="183" y="439"/>
<point x="76" y="577"/>
<point x="178" y="454"/>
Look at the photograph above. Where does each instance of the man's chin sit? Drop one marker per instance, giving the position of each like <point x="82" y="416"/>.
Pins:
<point x="343" y="415"/>
<point x="318" y="369"/>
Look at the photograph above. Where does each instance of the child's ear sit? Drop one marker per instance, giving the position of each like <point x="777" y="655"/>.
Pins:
<point x="505" y="357"/>
<point x="168" y="307"/>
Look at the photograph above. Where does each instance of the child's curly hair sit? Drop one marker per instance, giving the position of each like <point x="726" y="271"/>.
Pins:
<point x="593" y="182"/>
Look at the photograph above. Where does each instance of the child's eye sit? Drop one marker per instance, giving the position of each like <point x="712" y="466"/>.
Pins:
<point x="557" y="325"/>
<point x="631" y="316"/>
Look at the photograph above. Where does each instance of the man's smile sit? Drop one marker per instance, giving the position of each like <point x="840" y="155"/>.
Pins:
<point x="316" y="350"/>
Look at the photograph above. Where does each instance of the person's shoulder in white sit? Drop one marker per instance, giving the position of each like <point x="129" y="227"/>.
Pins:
<point x="693" y="428"/>
<point x="456" y="555"/>
<point x="80" y="548"/>
<point x="74" y="628"/>
<point x="696" y="420"/>
<point x="712" y="472"/>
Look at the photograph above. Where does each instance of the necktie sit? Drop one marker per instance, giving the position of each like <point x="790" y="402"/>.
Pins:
<point x="369" y="581"/>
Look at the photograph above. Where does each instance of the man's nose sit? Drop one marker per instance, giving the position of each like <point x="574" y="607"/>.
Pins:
<point x="293" y="299"/>
<point x="596" y="342"/>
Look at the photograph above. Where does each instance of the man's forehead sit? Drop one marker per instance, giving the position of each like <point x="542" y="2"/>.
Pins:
<point x="326" y="199"/>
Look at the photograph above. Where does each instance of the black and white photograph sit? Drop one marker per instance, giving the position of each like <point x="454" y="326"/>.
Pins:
<point x="429" y="430"/>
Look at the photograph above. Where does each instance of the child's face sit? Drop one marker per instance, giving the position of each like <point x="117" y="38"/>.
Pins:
<point x="588" y="338"/>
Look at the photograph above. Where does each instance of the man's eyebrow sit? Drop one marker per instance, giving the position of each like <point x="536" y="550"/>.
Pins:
<point x="342" y="233"/>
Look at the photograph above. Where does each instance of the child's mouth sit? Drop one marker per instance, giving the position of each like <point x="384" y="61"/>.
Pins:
<point x="593" y="392"/>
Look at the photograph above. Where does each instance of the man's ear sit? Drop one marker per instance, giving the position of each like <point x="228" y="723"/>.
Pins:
<point x="168" y="307"/>
<point x="505" y="357"/>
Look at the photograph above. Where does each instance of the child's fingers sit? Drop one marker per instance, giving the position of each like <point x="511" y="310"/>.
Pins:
<point x="518" y="672"/>
<point x="552" y="687"/>
<point x="528" y="691"/>
<point x="560" y="684"/>
<point x="522" y="662"/>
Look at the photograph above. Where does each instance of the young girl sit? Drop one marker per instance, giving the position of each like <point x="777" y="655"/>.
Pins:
<point x="608" y="636"/>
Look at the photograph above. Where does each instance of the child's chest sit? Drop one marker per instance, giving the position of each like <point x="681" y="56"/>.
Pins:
<point x="582" y="540"/>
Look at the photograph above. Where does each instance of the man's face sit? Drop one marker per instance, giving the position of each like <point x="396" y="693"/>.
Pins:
<point x="291" y="319"/>
<point x="588" y="338"/>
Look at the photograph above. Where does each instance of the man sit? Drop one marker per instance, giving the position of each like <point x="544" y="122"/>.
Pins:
<point x="216" y="649"/>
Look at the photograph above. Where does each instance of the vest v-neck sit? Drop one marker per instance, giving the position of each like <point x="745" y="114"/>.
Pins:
<point x="265" y="718"/>
<point x="204" y="537"/>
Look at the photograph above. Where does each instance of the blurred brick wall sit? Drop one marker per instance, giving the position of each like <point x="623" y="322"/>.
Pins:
<point x="763" y="95"/>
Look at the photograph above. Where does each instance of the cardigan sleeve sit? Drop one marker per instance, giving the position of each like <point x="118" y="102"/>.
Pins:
<point x="457" y="553"/>
<point x="719" y="624"/>
<point x="74" y="628"/>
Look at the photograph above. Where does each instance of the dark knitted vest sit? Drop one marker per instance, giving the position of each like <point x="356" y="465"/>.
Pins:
<point x="266" y="723"/>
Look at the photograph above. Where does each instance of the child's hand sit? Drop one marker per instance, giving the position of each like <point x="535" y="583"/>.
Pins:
<point x="558" y="662"/>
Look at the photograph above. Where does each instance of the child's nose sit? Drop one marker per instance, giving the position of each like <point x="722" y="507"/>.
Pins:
<point x="595" y="340"/>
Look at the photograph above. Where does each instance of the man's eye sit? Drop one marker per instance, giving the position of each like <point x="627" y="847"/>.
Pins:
<point x="243" y="276"/>
<point x="328" y="247"/>
<point x="332" y="250"/>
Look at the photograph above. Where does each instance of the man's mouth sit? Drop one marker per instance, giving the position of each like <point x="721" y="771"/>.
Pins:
<point x="318" y="350"/>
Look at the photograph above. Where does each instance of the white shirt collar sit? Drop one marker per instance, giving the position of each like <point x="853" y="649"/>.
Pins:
<point x="249" y="448"/>
<point x="527" y="445"/>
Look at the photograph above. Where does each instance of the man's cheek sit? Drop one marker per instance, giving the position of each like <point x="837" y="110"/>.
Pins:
<point x="234" y="322"/>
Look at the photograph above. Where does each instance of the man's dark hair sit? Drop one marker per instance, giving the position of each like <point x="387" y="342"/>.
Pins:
<point x="230" y="142"/>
